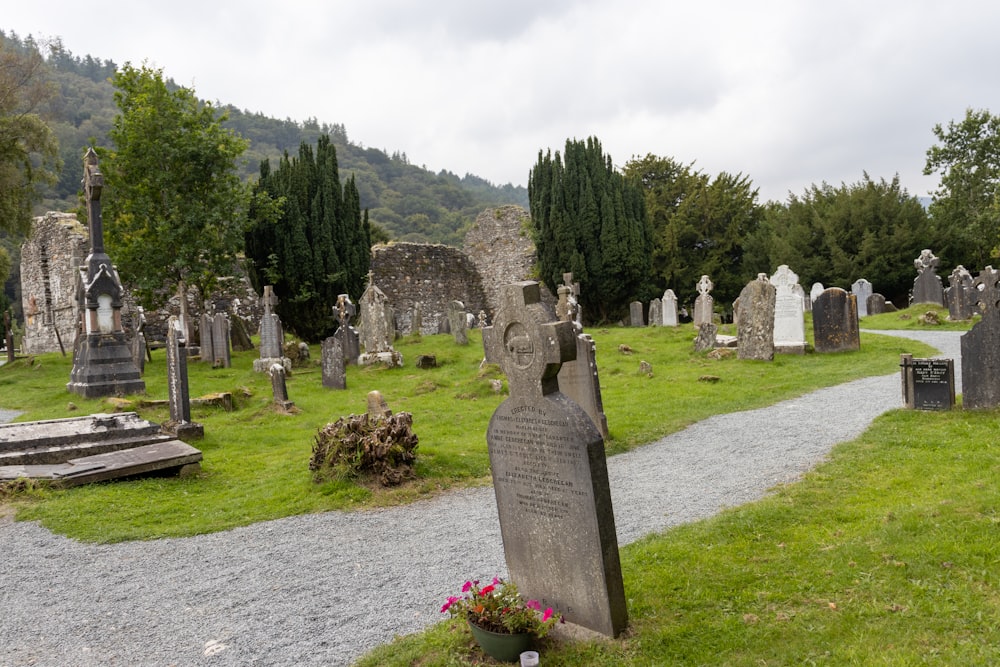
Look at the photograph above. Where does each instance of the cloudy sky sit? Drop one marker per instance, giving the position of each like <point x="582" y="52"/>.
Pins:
<point x="789" y="93"/>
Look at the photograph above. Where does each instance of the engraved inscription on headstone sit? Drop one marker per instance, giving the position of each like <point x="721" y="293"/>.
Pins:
<point x="550" y="473"/>
<point x="928" y="384"/>
<point x="789" y="312"/>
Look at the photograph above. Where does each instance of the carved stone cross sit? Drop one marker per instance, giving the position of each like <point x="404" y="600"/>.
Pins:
<point x="987" y="286"/>
<point x="704" y="285"/>
<point x="527" y="344"/>
<point x="93" y="183"/>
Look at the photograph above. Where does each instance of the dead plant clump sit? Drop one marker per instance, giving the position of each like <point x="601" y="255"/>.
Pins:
<point x="383" y="448"/>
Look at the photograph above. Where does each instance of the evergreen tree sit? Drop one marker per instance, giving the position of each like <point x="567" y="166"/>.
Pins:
<point x="307" y="238"/>
<point x="590" y="220"/>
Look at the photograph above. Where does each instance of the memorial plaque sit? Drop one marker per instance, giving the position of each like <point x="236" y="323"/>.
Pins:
<point x="550" y="473"/>
<point x="928" y="384"/>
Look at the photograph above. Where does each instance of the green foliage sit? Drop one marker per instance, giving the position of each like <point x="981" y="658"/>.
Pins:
<point x="29" y="157"/>
<point x="362" y="446"/>
<point x="868" y="229"/>
<point x="591" y="220"/>
<point x="174" y="203"/>
<point x="966" y="205"/>
<point x="307" y="238"/>
<point x="699" y="225"/>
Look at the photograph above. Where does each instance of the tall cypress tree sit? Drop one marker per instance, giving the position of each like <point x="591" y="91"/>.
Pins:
<point x="307" y="238"/>
<point x="590" y="220"/>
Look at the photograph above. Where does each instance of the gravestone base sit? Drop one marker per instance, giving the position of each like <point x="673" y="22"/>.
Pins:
<point x="264" y="365"/>
<point x="392" y="358"/>
<point x="103" y="366"/>
<point x="184" y="430"/>
<point x="790" y="349"/>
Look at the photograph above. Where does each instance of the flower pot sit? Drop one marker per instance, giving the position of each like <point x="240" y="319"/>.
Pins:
<point x="499" y="645"/>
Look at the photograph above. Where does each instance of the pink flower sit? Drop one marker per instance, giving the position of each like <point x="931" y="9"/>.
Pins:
<point x="547" y="615"/>
<point x="533" y="604"/>
<point x="496" y="581"/>
<point x="451" y="600"/>
<point x="466" y="587"/>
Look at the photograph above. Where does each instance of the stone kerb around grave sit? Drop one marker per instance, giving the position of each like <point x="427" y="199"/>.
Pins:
<point x="550" y="472"/>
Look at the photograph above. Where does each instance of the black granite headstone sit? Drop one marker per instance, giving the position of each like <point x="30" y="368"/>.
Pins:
<point x="928" y="384"/>
<point x="835" y="322"/>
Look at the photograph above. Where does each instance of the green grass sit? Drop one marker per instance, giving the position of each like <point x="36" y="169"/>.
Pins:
<point x="256" y="458"/>
<point x="909" y="318"/>
<point x="885" y="555"/>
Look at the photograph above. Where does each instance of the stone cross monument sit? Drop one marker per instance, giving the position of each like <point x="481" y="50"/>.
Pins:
<point x="102" y="357"/>
<point x="550" y="473"/>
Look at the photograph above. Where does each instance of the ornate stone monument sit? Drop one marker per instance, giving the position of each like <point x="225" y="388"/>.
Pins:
<point x="927" y="285"/>
<point x="550" y="473"/>
<point x="961" y="295"/>
<point x="704" y="305"/>
<point x="102" y="360"/>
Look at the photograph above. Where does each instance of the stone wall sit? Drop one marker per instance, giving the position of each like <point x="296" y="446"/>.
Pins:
<point x="57" y="245"/>
<point x="499" y="244"/>
<point x="434" y="275"/>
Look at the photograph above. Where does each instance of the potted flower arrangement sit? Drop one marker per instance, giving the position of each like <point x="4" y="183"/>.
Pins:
<point x="501" y="621"/>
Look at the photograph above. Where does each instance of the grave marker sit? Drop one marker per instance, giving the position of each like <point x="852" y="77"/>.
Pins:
<point x="927" y="285"/>
<point x="789" y="312"/>
<point x="862" y="289"/>
<point x="550" y="473"/>
<point x="669" y="303"/>
<point x="704" y="305"/>
<point x="835" y="322"/>
<point x="635" y="314"/>
<point x="928" y="384"/>
<point x="981" y="346"/>
<point x="272" y="336"/>
<point x="961" y="294"/>
<point x="656" y="313"/>
<point x="334" y="371"/>
<point x="457" y="322"/>
<point x="755" y="333"/>
<point x="179" y="399"/>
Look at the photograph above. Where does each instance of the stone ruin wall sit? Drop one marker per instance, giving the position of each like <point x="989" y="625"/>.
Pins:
<point x="498" y="249"/>
<point x="434" y="275"/>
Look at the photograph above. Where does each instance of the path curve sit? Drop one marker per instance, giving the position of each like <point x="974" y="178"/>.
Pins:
<point x="318" y="589"/>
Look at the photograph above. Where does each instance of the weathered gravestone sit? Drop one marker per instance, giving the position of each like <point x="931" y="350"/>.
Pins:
<point x="334" y="371"/>
<point x="417" y="318"/>
<point x="377" y="328"/>
<point x="457" y="322"/>
<point x="206" y="345"/>
<point x="815" y="291"/>
<point x="279" y="388"/>
<point x="876" y="304"/>
<point x="221" y="349"/>
<point x="705" y="340"/>
<point x="704" y="305"/>
<point x="862" y="289"/>
<point x="550" y="473"/>
<point x="350" y="339"/>
<point x="981" y="346"/>
<point x="789" y="312"/>
<point x="927" y="285"/>
<point x="755" y="335"/>
<point x="635" y="318"/>
<point x="928" y="384"/>
<point x="178" y="396"/>
<point x="669" y="308"/>
<point x="138" y="343"/>
<point x="835" y="322"/>
<point x="655" y="313"/>
<point x="102" y="360"/>
<point x="961" y="294"/>
<point x="272" y="336"/>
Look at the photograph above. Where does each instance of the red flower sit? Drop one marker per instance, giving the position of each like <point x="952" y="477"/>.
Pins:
<point x="547" y="615"/>
<point x="451" y="600"/>
<point x="487" y="590"/>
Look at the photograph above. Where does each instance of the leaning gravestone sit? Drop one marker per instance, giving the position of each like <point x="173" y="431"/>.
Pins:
<point x="550" y="473"/>
<point x="704" y="305"/>
<point x="981" y="346"/>
<point x="705" y="341"/>
<point x="635" y="314"/>
<point x="755" y="335"/>
<point x="927" y="285"/>
<point x="669" y="308"/>
<point x="928" y="384"/>
<point x="876" y="304"/>
<point x="835" y="322"/>
<point x="789" y="312"/>
<point x="655" y="313"/>
<point x="862" y="289"/>
<point x="334" y="372"/>
<point x="457" y="322"/>
<point x="961" y="295"/>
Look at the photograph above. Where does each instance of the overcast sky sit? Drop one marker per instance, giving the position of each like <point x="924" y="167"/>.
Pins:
<point x="788" y="93"/>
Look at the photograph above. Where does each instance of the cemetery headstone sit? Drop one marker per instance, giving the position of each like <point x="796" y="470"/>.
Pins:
<point x="981" y="346"/>
<point x="927" y="285"/>
<point x="457" y="321"/>
<point x="815" y="291"/>
<point x="350" y="339"/>
<point x="656" y="313"/>
<point x="334" y="370"/>
<point x="579" y="379"/>
<point x="240" y="334"/>
<point x="961" y="296"/>
<point x="417" y="318"/>
<point x="835" y="322"/>
<point x="862" y="289"/>
<point x="272" y="336"/>
<point x="635" y="318"/>
<point x="377" y="332"/>
<point x="876" y="304"/>
<point x="205" y="343"/>
<point x="928" y="384"/>
<point x="139" y="348"/>
<point x="550" y="473"/>
<point x="755" y="335"/>
<point x="279" y="387"/>
<point x="102" y="360"/>
<point x="669" y="303"/>
<point x="220" y="341"/>
<point x="789" y="312"/>
<point x="178" y="396"/>
<point x="704" y="305"/>
<point x="377" y="405"/>
<point x="705" y="341"/>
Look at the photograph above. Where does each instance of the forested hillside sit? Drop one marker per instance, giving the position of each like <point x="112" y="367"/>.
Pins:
<point x="408" y="202"/>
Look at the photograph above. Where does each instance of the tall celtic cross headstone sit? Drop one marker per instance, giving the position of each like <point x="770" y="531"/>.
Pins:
<point x="981" y="346"/>
<point x="704" y="305"/>
<point x="272" y="336"/>
<point x="102" y="358"/>
<point x="927" y="286"/>
<point x="550" y="473"/>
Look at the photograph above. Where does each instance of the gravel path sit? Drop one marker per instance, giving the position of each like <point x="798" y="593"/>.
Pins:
<point x="316" y="589"/>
